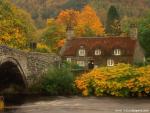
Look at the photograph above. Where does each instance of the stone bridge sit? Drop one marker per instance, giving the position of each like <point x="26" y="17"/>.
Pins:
<point x="21" y="67"/>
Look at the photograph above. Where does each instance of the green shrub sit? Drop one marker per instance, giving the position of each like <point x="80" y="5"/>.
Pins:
<point x="58" y="81"/>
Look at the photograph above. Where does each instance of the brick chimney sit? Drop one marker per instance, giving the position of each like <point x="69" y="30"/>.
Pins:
<point x="70" y="33"/>
<point x="139" y="56"/>
<point x="133" y="32"/>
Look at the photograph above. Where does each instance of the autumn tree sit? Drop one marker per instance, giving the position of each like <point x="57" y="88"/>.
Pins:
<point x="89" y="23"/>
<point x="113" y="22"/>
<point x="15" y="26"/>
<point x="68" y="18"/>
<point x="85" y="23"/>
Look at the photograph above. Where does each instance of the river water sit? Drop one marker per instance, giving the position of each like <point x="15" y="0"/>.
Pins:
<point x="80" y="105"/>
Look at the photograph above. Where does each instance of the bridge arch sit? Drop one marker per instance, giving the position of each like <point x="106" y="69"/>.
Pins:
<point x="11" y="73"/>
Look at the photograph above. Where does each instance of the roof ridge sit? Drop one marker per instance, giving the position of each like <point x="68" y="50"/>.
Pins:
<point x="101" y="38"/>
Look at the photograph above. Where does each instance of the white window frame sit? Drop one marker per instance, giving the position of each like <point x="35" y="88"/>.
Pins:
<point x="81" y="63"/>
<point x="81" y="52"/>
<point x="68" y="59"/>
<point x="95" y="66"/>
<point x="117" y="52"/>
<point x="110" y="62"/>
<point x="98" y="52"/>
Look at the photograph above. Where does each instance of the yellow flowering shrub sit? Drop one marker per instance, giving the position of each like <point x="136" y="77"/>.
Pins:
<point x="120" y="80"/>
<point x="43" y="48"/>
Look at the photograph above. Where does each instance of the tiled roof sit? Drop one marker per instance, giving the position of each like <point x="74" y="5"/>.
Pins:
<point x="107" y="45"/>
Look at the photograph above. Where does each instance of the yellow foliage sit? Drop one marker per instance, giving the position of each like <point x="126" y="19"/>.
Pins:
<point x="16" y="39"/>
<point x="43" y="47"/>
<point x="120" y="80"/>
<point x="50" y="21"/>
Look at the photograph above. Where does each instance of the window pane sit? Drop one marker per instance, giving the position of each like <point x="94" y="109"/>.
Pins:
<point x="81" y="52"/>
<point x="98" y="52"/>
<point x="117" y="52"/>
<point x="68" y="59"/>
<point x="81" y="63"/>
<point x="110" y="62"/>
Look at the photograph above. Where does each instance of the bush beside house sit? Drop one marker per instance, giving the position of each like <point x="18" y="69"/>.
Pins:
<point x="120" y="80"/>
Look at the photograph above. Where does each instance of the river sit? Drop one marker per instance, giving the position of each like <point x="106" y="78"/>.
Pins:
<point x="80" y="105"/>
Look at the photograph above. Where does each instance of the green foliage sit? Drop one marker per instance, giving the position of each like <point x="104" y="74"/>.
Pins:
<point x="52" y="35"/>
<point x="129" y="8"/>
<point x="113" y="22"/>
<point x="148" y="60"/>
<point x="144" y="34"/>
<point x="43" y="9"/>
<point x="58" y="81"/>
<point x="89" y="32"/>
<point x="74" y="4"/>
<point x="41" y="50"/>
<point x="126" y="23"/>
<point x="113" y="14"/>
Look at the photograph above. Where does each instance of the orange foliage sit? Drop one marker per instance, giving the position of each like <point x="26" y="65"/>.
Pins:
<point x="68" y="17"/>
<point x="60" y="43"/>
<point x="87" y="18"/>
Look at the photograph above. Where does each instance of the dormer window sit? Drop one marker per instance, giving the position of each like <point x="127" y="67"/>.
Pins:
<point x="110" y="62"/>
<point x="117" y="52"/>
<point x="81" y="52"/>
<point x="97" y="52"/>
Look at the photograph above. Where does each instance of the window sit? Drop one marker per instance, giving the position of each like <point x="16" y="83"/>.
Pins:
<point x="81" y="63"/>
<point x="117" y="52"/>
<point x="97" y="52"/>
<point x="81" y="52"/>
<point x="110" y="62"/>
<point x="68" y="59"/>
<point x="95" y="66"/>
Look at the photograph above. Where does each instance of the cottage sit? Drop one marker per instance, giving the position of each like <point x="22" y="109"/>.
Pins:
<point x="91" y="52"/>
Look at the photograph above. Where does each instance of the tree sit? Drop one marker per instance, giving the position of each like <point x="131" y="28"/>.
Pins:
<point x="53" y="35"/>
<point x="113" y="22"/>
<point x="15" y="26"/>
<point x="68" y="18"/>
<point x="75" y="4"/>
<point x="89" y="22"/>
<point x="85" y="23"/>
<point x="126" y="23"/>
<point x="144" y="34"/>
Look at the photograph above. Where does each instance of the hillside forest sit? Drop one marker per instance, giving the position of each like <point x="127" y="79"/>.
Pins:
<point x="44" y="22"/>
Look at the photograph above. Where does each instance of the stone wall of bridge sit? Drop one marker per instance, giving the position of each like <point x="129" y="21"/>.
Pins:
<point x="30" y="64"/>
